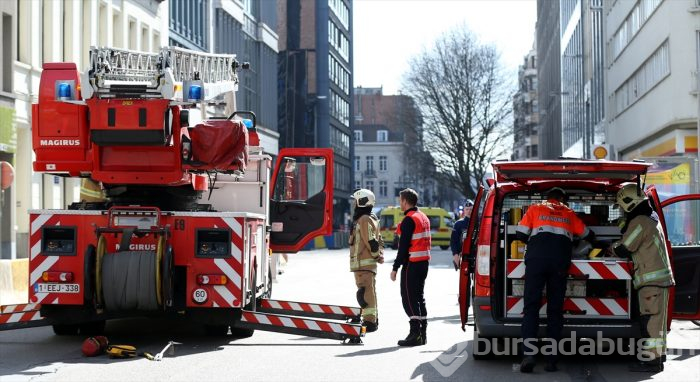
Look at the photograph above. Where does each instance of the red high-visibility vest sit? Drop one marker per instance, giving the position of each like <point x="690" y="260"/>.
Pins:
<point x="421" y="240"/>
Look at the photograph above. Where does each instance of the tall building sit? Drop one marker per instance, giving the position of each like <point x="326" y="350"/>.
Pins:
<point x="653" y="58"/>
<point x="315" y="86"/>
<point x="526" y="111"/>
<point x="548" y="44"/>
<point x="248" y="29"/>
<point x="582" y="76"/>
<point x="64" y="31"/>
<point x="389" y="155"/>
<point x="8" y="133"/>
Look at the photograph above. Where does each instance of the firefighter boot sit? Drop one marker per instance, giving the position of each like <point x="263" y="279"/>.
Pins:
<point x="414" y="336"/>
<point x="423" y="330"/>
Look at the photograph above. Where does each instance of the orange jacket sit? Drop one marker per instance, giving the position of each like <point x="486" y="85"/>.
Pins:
<point x="552" y="217"/>
<point x="420" y="240"/>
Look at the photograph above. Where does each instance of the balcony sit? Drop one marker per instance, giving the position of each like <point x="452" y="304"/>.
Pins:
<point x="370" y="173"/>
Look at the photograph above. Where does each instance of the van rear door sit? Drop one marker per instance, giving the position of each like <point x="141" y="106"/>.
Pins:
<point x="680" y="217"/>
<point x="604" y="172"/>
<point x="468" y="262"/>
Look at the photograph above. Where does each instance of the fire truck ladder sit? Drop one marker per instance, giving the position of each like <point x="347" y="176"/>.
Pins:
<point x="170" y="73"/>
<point x="313" y="320"/>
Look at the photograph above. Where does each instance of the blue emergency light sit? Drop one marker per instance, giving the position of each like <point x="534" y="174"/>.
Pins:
<point x="248" y="123"/>
<point x="64" y="91"/>
<point x="194" y="93"/>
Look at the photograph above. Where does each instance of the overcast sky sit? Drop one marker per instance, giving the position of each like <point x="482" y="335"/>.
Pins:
<point x="387" y="33"/>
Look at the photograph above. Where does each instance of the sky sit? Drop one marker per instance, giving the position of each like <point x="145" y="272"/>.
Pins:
<point x="387" y="33"/>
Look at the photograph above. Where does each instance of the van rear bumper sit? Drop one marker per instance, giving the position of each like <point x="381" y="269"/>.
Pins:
<point x="488" y="326"/>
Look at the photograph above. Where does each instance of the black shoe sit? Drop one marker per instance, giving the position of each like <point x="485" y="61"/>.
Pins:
<point x="371" y="327"/>
<point x="647" y="367"/>
<point x="423" y="331"/>
<point x="551" y="367"/>
<point x="528" y="364"/>
<point x="414" y="337"/>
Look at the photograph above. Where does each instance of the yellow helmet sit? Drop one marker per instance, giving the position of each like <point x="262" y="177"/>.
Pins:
<point x="629" y="197"/>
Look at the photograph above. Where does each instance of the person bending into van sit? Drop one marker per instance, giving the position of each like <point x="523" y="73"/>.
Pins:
<point x="457" y="232"/>
<point x="549" y="229"/>
<point x="643" y="240"/>
<point x="366" y="250"/>
<point x="414" y="256"/>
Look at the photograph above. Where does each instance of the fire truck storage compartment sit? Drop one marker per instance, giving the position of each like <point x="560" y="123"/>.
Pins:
<point x="597" y="286"/>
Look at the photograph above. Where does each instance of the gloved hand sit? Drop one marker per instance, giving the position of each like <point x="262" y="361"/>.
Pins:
<point x="455" y="260"/>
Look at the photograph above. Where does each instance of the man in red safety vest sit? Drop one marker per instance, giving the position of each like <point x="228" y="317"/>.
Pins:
<point x="414" y="256"/>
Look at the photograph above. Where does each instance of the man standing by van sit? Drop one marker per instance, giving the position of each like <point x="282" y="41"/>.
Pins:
<point x="643" y="240"/>
<point x="414" y="256"/>
<point x="457" y="231"/>
<point x="549" y="229"/>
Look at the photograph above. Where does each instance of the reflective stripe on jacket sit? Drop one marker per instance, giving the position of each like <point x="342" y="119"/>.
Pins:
<point x="644" y="238"/>
<point x="421" y="239"/>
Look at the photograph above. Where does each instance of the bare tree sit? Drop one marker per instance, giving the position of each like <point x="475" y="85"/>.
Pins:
<point x="464" y="96"/>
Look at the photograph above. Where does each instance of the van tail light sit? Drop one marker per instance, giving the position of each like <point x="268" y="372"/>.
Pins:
<point x="57" y="277"/>
<point x="483" y="260"/>
<point x="211" y="280"/>
<point x="443" y="230"/>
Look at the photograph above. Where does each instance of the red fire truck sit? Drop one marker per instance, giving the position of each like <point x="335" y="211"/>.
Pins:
<point x="189" y="217"/>
<point x="599" y="297"/>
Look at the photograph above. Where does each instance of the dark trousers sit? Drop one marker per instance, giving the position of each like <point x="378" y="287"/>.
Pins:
<point x="541" y="272"/>
<point x="412" y="284"/>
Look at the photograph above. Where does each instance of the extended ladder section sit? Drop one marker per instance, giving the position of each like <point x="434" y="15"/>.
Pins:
<point x="313" y="320"/>
<point x="173" y="73"/>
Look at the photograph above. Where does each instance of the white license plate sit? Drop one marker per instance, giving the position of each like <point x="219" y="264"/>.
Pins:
<point x="57" y="288"/>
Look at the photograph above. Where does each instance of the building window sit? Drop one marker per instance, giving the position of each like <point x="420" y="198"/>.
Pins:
<point x="369" y="185"/>
<point x="6" y="63"/>
<point x="382" y="135"/>
<point x="358" y="184"/>
<point x="357" y="163"/>
<point x="632" y="24"/>
<point x="382" y="163"/>
<point x="650" y="73"/>
<point x="358" y="135"/>
<point x="370" y="163"/>
<point x="382" y="188"/>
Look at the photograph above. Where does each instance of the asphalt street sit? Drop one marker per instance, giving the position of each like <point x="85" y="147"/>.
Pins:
<point x="320" y="276"/>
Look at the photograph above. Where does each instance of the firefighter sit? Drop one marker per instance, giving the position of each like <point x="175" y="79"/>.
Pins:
<point x="548" y="229"/>
<point x="91" y="191"/>
<point x="414" y="256"/>
<point x="366" y="250"/>
<point x="643" y="240"/>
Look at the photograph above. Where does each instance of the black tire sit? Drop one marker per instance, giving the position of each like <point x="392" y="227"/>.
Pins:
<point x="479" y="352"/>
<point x="268" y="294"/>
<point x="242" y="333"/>
<point x="696" y="322"/>
<point x="216" y="330"/>
<point x="66" y="329"/>
<point x="92" y="328"/>
<point x="252" y="305"/>
<point x="444" y="247"/>
<point x="89" y="269"/>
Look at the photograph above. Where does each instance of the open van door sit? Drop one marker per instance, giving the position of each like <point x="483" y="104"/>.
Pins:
<point x="467" y="264"/>
<point x="301" y="200"/>
<point x="680" y="217"/>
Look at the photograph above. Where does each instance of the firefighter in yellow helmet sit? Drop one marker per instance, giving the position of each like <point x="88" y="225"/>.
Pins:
<point x="643" y="240"/>
<point x="91" y="191"/>
<point x="366" y="250"/>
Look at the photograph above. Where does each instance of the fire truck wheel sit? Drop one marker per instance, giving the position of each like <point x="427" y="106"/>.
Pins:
<point x="92" y="328"/>
<point x="696" y="322"/>
<point x="242" y="333"/>
<point x="216" y="330"/>
<point x="66" y="329"/>
<point x="479" y="347"/>
<point x="268" y="294"/>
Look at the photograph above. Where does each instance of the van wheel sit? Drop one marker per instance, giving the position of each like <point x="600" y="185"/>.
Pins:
<point x="444" y="247"/>
<point x="481" y="347"/>
<point x="395" y="243"/>
<point x="241" y="333"/>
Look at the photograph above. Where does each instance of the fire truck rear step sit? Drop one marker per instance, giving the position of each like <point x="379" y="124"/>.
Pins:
<point x="296" y="325"/>
<point x="21" y="316"/>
